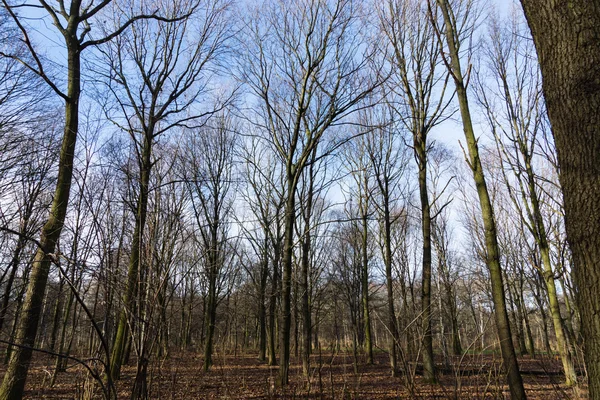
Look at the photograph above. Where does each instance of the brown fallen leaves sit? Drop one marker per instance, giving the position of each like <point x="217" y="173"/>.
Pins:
<point x="333" y="376"/>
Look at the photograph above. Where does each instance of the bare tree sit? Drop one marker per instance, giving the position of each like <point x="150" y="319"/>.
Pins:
<point x="387" y="168"/>
<point x="441" y="174"/>
<point x="211" y="184"/>
<point x="74" y="25"/>
<point x="172" y="67"/>
<point x="23" y="95"/>
<point x="360" y="168"/>
<point x="307" y="66"/>
<point x="456" y="28"/>
<point x="265" y="198"/>
<point x="516" y="122"/>
<point x="420" y="81"/>
<point x="28" y="188"/>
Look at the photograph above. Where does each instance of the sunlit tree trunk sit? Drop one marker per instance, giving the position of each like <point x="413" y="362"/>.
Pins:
<point x="515" y="380"/>
<point x="16" y="374"/>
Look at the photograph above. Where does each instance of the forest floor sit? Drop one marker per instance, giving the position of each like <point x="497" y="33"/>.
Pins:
<point x="332" y="377"/>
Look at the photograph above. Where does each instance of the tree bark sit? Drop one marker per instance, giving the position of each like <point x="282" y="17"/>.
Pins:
<point x="273" y="304"/>
<point x="567" y="39"/>
<point x="515" y="380"/>
<point x="429" y="373"/>
<point x="305" y="278"/>
<point x="211" y="307"/>
<point x="389" y="281"/>
<point x="262" y="308"/>
<point x="16" y="374"/>
<point x="365" y="274"/>
<point x="286" y="282"/>
<point x="119" y="348"/>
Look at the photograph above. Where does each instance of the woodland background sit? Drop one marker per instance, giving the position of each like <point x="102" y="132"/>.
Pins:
<point x="262" y="199"/>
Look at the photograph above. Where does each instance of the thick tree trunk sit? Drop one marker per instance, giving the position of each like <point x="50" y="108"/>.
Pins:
<point x="14" y="379"/>
<point x="567" y="39"/>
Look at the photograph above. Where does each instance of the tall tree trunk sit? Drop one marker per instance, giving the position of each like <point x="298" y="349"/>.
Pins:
<point x="305" y="289"/>
<point x="449" y="295"/>
<point x="571" y="313"/>
<point x="389" y="282"/>
<point x="307" y="212"/>
<point x="211" y="306"/>
<point x="567" y="37"/>
<point x="530" y="342"/>
<point x="442" y="320"/>
<point x="56" y="316"/>
<point x="540" y="235"/>
<point x="365" y="283"/>
<point x="429" y="373"/>
<point x="60" y="363"/>
<point x="296" y="317"/>
<point x="273" y="305"/>
<point x="119" y="347"/>
<point x="16" y="374"/>
<point x="545" y="332"/>
<point x="262" y="307"/>
<point x="92" y="339"/>
<point x="515" y="380"/>
<point x="286" y="282"/>
<point x="163" y="328"/>
<point x="557" y="321"/>
<point x="190" y="316"/>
